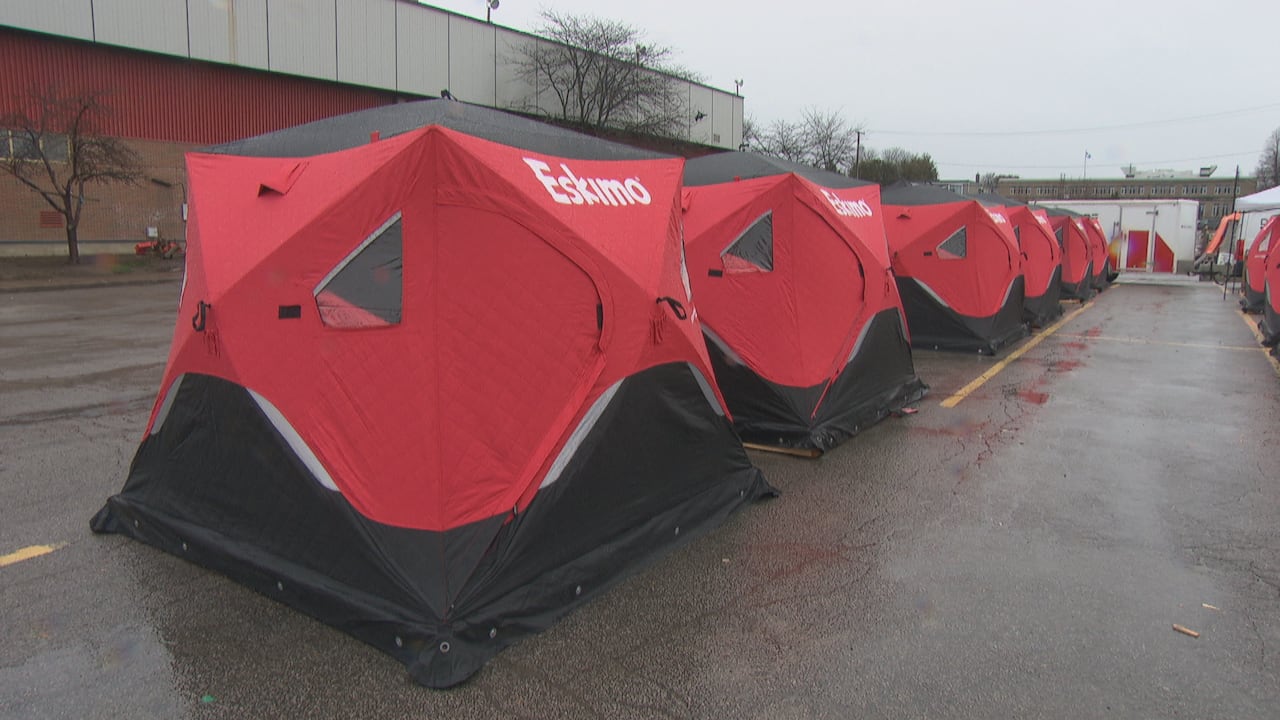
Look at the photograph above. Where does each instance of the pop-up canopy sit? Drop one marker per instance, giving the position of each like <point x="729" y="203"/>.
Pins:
<point x="1268" y="199"/>
<point x="958" y="267"/>
<point x="436" y="379"/>
<point x="802" y="317"/>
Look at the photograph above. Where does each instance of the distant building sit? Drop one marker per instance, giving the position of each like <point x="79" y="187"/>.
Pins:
<point x="959" y="187"/>
<point x="181" y="75"/>
<point x="1215" y="194"/>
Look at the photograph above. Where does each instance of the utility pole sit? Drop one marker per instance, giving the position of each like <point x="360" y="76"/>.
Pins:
<point x="1235" y="190"/>
<point x="1239" y="226"/>
<point x="857" y="158"/>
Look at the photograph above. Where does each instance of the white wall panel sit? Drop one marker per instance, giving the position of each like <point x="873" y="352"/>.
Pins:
<point x="422" y="49"/>
<point x="700" y="101"/>
<point x="721" y="120"/>
<point x="155" y="25"/>
<point x="229" y="31"/>
<point x="739" y="121"/>
<point x="302" y="37"/>
<point x="70" y="18"/>
<point x="388" y="44"/>
<point x="472" y="72"/>
<point x="367" y="42"/>
<point x="514" y="92"/>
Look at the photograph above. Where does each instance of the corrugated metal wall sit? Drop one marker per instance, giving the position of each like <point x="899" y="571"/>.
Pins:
<point x="164" y="98"/>
<point x="389" y="45"/>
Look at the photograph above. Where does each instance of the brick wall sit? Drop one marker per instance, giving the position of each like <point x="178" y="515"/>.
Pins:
<point x="115" y="215"/>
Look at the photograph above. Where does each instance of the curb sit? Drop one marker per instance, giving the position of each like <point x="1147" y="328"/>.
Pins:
<point x="19" y="286"/>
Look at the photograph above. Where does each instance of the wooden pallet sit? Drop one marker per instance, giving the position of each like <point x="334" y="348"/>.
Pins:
<point x="794" y="452"/>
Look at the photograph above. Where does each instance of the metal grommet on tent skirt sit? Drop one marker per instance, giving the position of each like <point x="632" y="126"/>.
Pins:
<point x="444" y="647"/>
<point x="399" y="641"/>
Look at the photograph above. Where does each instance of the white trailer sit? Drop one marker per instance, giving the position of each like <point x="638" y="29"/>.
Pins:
<point x="1144" y="235"/>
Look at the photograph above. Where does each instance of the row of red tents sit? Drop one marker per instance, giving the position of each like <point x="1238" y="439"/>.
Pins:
<point x="1262" y="282"/>
<point x="441" y="374"/>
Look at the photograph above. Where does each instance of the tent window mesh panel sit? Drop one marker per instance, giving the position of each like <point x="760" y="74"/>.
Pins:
<point x="752" y="251"/>
<point x="366" y="289"/>
<point x="956" y="246"/>
<point x="1017" y="233"/>
<point x="1057" y="235"/>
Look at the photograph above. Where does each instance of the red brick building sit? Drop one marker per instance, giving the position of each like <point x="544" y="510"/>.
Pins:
<point x="163" y="106"/>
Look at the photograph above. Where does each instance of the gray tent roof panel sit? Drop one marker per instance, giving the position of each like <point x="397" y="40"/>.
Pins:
<point x="904" y="194"/>
<point x="994" y="200"/>
<point x="1060" y="212"/>
<point x="353" y="129"/>
<point x="728" y="166"/>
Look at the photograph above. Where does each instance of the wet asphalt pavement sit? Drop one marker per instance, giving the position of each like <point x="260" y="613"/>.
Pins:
<point x="1023" y="554"/>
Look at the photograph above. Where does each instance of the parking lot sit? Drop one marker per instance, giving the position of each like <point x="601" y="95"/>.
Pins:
<point x="1018" y="548"/>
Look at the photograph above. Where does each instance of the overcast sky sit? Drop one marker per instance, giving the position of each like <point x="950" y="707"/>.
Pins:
<point x="1017" y="86"/>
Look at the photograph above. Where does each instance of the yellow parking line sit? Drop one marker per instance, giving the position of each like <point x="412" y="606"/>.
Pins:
<point x="1253" y="327"/>
<point x="27" y="553"/>
<point x="982" y="379"/>
<point x="1143" y="341"/>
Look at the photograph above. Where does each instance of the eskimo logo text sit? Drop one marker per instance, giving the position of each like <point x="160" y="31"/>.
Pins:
<point x="569" y="189"/>
<point x="848" y="208"/>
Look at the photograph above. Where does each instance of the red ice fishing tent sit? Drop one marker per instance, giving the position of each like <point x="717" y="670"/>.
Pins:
<point x="1099" y="254"/>
<point x="1041" y="259"/>
<point x="798" y="305"/>
<point x="1077" y="265"/>
<point x="1269" y="325"/>
<point x="436" y="389"/>
<point x="958" y="267"/>
<point x="1256" y="265"/>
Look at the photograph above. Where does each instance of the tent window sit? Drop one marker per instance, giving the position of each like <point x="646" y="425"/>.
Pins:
<point x="752" y="251"/>
<point x="1017" y="233"/>
<point x="366" y="288"/>
<point x="956" y="246"/>
<point x="1266" y="243"/>
<point x="1057" y="235"/>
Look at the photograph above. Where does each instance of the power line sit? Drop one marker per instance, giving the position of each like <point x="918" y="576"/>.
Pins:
<point x="1074" y="165"/>
<point x="1072" y="131"/>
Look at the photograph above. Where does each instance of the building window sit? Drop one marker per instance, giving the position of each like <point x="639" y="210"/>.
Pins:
<point x="17" y="144"/>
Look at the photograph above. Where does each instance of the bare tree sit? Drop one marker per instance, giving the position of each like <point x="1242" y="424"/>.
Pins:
<point x="830" y="141"/>
<point x="822" y="139"/>
<point x="603" y="74"/>
<point x="889" y="166"/>
<point x="784" y="139"/>
<point x="1268" y="171"/>
<point x="750" y="134"/>
<point x="52" y="146"/>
